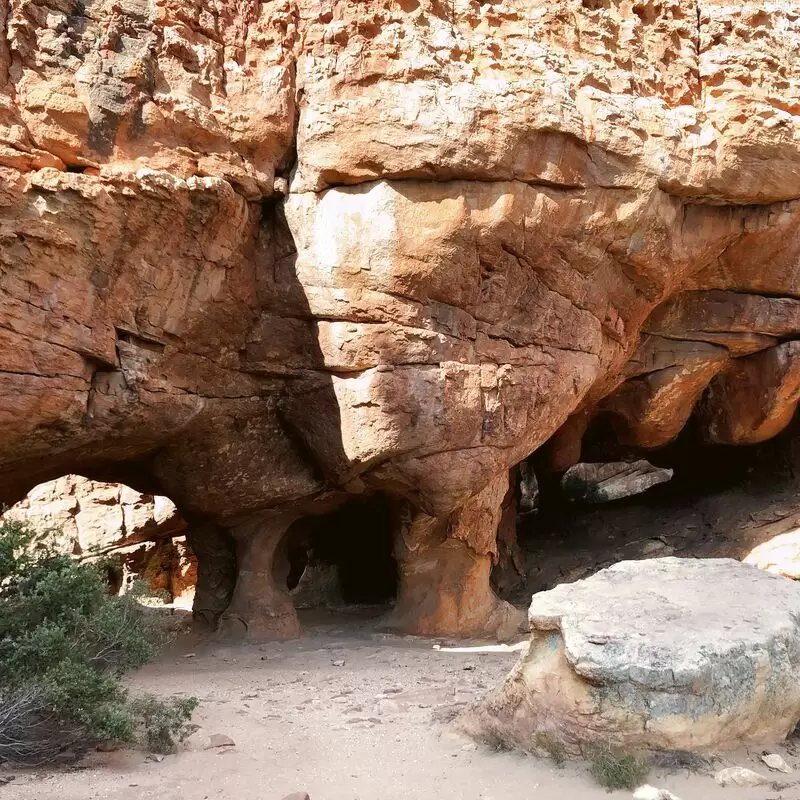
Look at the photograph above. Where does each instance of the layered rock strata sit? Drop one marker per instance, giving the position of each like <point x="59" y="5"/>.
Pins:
<point x="266" y="257"/>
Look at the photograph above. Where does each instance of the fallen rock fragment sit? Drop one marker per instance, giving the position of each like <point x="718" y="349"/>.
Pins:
<point x="297" y="796"/>
<point x="219" y="740"/>
<point x="667" y="654"/>
<point x="651" y="793"/>
<point x="776" y="762"/>
<point x="740" y="776"/>
<point x="602" y="483"/>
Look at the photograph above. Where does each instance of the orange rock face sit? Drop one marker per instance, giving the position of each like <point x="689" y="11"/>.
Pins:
<point x="262" y="257"/>
<point x="143" y="534"/>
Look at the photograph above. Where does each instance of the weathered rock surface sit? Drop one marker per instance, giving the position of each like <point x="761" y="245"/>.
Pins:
<point x="88" y="519"/>
<point x="93" y="518"/>
<point x="666" y="654"/>
<point x="651" y="793"/>
<point x="780" y="555"/>
<point x="755" y="398"/>
<point x="444" y="573"/>
<point x="264" y="257"/>
<point x="667" y="379"/>
<point x="740" y="776"/>
<point x="602" y="483"/>
<point x="318" y="587"/>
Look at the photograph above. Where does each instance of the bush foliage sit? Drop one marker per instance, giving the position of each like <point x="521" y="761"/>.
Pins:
<point x="614" y="770"/>
<point x="64" y="645"/>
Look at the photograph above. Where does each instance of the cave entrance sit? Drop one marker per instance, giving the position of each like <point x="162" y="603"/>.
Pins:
<point x="135" y="536"/>
<point x="722" y="501"/>
<point x="345" y="557"/>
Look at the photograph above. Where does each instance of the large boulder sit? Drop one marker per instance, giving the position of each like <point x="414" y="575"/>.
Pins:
<point x="666" y="654"/>
<point x="780" y="555"/>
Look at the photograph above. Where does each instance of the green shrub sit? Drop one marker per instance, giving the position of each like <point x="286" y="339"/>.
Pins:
<point x="163" y="722"/>
<point x="614" y="770"/>
<point x="552" y="746"/>
<point x="64" y="645"/>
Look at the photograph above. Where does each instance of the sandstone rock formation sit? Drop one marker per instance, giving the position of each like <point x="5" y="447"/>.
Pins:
<point x="666" y="654"/>
<point x="88" y="520"/>
<point x="264" y="257"/>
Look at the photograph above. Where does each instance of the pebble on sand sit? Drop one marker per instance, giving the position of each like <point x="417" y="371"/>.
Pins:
<point x="651" y="793"/>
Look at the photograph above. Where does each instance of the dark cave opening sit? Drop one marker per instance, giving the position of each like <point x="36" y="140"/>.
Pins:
<point x="699" y="469"/>
<point x="722" y="501"/>
<point x="344" y="556"/>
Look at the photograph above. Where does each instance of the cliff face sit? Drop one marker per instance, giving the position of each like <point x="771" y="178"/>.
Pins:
<point x="268" y="255"/>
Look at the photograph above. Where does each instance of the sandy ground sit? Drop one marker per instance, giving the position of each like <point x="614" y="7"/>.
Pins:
<point x="373" y="727"/>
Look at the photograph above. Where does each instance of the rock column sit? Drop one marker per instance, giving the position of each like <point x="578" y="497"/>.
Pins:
<point x="216" y="573"/>
<point x="261" y="607"/>
<point x="444" y="566"/>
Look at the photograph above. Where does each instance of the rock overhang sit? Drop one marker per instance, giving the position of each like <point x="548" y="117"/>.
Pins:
<point x="314" y="253"/>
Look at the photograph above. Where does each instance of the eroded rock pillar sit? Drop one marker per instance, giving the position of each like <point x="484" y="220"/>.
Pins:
<point x="509" y="567"/>
<point x="444" y="566"/>
<point x="564" y="448"/>
<point x="216" y="573"/>
<point x="260" y="607"/>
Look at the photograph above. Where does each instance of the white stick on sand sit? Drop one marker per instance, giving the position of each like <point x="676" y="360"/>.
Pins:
<point x="487" y="648"/>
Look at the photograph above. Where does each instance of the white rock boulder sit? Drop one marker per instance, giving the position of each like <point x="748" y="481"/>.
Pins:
<point x="740" y="776"/>
<point x="780" y="555"/>
<point x="672" y="654"/>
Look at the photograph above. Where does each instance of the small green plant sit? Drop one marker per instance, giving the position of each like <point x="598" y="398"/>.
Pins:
<point x="614" y="770"/>
<point x="64" y="645"/>
<point x="554" y="749"/>
<point x="164" y="723"/>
